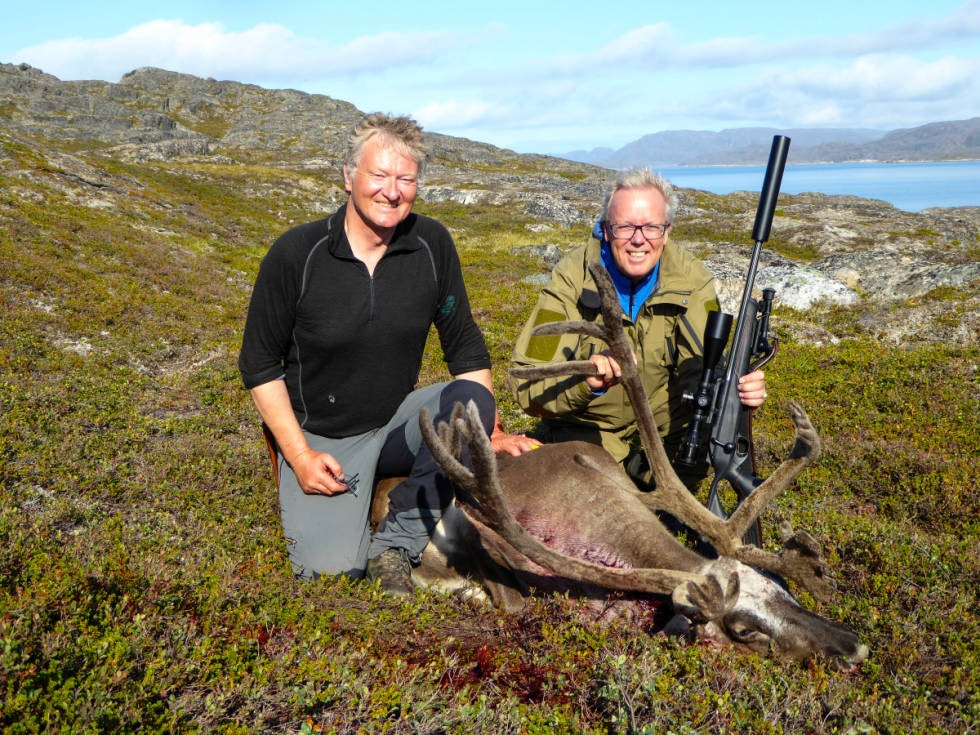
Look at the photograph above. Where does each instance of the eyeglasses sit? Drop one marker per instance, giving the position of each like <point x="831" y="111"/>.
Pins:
<point x="650" y="232"/>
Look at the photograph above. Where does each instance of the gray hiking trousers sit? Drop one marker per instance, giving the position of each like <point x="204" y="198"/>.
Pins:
<point x="330" y="534"/>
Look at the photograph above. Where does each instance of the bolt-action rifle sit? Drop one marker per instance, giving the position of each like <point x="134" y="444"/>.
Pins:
<point x="716" y="403"/>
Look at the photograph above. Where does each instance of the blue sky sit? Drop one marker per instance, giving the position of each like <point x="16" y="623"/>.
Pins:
<point x="544" y="77"/>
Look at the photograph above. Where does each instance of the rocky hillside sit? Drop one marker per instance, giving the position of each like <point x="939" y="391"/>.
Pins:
<point x="911" y="276"/>
<point x="152" y="114"/>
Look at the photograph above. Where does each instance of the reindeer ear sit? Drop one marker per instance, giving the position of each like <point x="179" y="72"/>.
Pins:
<point x="705" y="601"/>
<point x="692" y="600"/>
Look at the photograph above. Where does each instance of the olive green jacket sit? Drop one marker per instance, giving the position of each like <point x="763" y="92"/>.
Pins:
<point x="666" y="338"/>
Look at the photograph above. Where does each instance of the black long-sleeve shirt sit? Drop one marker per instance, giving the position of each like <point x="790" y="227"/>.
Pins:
<point x="348" y="344"/>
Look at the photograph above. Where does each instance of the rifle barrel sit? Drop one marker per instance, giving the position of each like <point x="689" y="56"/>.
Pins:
<point x="760" y="233"/>
<point x="770" y="188"/>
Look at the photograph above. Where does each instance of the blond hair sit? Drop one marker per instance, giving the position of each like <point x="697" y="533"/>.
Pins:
<point x="400" y="132"/>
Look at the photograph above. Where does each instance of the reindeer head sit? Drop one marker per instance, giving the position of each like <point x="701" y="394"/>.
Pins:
<point x="736" y="604"/>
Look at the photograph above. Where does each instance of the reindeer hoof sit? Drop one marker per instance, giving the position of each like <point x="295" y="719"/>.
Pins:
<point x="807" y="444"/>
<point x="804" y="543"/>
<point x="678" y="627"/>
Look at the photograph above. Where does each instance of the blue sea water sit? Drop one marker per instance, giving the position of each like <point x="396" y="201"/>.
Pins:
<point x="908" y="186"/>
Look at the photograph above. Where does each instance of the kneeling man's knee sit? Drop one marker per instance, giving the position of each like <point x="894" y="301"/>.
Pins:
<point x="463" y="391"/>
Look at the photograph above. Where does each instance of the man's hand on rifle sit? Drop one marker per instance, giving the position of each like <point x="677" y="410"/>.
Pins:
<point x="752" y="389"/>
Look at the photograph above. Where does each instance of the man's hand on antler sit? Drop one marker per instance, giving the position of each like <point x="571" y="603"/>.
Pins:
<point x="607" y="372"/>
<point x="752" y="389"/>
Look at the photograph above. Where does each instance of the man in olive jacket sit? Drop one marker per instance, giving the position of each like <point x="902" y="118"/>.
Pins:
<point x="666" y="295"/>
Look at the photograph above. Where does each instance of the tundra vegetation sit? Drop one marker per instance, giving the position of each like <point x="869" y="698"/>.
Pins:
<point x="143" y="581"/>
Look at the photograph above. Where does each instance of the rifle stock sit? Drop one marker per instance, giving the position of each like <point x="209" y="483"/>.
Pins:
<point x="716" y="403"/>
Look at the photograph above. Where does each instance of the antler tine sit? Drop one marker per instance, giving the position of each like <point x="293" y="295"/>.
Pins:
<point x="800" y="560"/>
<point x="445" y="448"/>
<point x="484" y="486"/>
<point x="806" y="449"/>
<point x="590" y="329"/>
<point x="487" y="485"/>
<point x="451" y="433"/>
<point x="572" y="367"/>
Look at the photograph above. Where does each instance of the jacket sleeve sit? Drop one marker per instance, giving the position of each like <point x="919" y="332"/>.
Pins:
<point x="463" y="346"/>
<point x="270" y="318"/>
<point x="558" y="301"/>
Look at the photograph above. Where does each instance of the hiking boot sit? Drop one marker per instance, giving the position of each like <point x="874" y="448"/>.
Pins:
<point x="393" y="570"/>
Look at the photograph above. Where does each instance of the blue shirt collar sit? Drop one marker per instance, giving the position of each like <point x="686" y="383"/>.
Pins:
<point x="631" y="295"/>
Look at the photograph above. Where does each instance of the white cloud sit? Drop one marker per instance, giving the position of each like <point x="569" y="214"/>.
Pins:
<point x="872" y="91"/>
<point x="457" y="114"/>
<point x="266" y="51"/>
<point x="896" y="77"/>
<point x="643" y="42"/>
<point x="883" y="78"/>
<point x="659" y="45"/>
<point x="391" y="49"/>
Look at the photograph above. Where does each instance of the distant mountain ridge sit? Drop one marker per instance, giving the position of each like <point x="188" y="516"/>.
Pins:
<point x="941" y="141"/>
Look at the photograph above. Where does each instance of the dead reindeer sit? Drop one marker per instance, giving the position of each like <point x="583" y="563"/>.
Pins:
<point x="566" y="517"/>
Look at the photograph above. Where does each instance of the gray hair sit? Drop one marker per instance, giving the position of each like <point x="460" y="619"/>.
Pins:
<point x="642" y="178"/>
<point x="400" y="132"/>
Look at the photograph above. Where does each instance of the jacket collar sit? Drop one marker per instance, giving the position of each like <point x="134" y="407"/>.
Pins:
<point x="340" y="247"/>
<point x="674" y="272"/>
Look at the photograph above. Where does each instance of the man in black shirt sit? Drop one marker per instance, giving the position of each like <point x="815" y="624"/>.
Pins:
<point x="331" y="352"/>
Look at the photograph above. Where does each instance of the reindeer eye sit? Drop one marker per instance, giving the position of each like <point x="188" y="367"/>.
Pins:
<point x="744" y="629"/>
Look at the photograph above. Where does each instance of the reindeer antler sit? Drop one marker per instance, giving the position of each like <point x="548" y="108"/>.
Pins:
<point x="484" y="501"/>
<point x="800" y="562"/>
